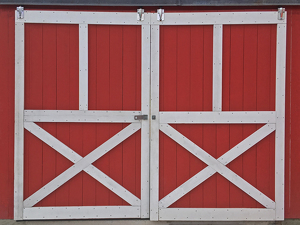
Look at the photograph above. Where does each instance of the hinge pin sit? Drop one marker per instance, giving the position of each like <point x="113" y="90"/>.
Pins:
<point x="281" y="13"/>
<point x="160" y="15"/>
<point x="140" y="14"/>
<point x="20" y="11"/>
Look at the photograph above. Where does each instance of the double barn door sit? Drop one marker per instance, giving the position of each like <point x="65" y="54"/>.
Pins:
<point x="167" y="116"/>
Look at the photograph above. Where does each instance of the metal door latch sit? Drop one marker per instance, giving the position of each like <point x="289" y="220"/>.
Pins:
<point x="20" y="11"/>
<point x="140" y="15"/>
<point x="281" y="13"/>
<point x="141" y="117"/>
<point x="160" y="15"/>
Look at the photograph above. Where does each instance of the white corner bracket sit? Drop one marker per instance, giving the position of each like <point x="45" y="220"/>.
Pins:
<point x="281" y="13"/>
<point x="160" y="15"/>
<point x="20" y="11"/>
<point x="140" y="14"/>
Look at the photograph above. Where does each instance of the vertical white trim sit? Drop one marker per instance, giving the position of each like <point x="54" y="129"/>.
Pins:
<point x="280" y="120"/>
<point x="154" y="155"/>
<point x="145" y="123"/>
<point x="19" y="125"/>
<point x="83" y="66"/>
<point x="217" y="67"/>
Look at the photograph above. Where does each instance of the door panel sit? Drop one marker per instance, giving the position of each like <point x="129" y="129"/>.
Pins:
<point x="216" y="157"/>
<point x="85" y="154"/>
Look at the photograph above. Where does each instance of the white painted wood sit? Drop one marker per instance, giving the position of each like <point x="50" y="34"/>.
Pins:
<point x="216" y="214"/>
<point x="154" y="143"/>
<point x="212" y="18"/>
<point x="218" y="117"/>
<point x="83" y="67"/>
<point x="280" y="120"/>
<point x="19" y="129"/>
<point x="68" y="17"/>
<point x="81" y="164"/>
<point x="145" y="132"/>
<point x="217" y="67"/>
<point x="217" y="166"/>
<point x="82" y="116"/>
<point x="83" y="212"/>
<point x="207" y="172"/>
<point x="74" y="157"/>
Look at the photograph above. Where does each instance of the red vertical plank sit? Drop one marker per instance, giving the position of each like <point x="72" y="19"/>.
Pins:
<point x="89" y="184"/>
<point x="75" y="184"/>
<point x="74" y="67"/>
<point x="101" y="67"/>
<point x="168" y="75"/>
<point x="49" y="101"/>
<point x="223" y="132"/>
<point x="115" y="98"/>
<point x="209" y="131"/>
<point x="263" y="103"/>
<point x="33" y="100"/>
<point x="196" y="104"/>
<point x="63" y="102"/>
<point x="130" y="73"/>
<point x="236" y="103"/>
<point x="7" y="111"/>
<point x="222" y="183"/>
<point x="10" y="118"/>
<point x="183" y="103"/>
<point x="249" y="104"/>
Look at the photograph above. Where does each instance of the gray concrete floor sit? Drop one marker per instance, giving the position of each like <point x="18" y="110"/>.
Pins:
<point x="140" y="222"/>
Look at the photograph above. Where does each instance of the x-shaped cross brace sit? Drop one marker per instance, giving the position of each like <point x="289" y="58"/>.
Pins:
<point x="81" y="164"/>
<point x="217" y="165"/>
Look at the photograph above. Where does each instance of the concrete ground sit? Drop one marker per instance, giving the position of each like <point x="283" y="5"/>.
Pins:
<point x="140" y="222"/>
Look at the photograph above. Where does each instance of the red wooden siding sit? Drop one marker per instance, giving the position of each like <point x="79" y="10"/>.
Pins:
<point x="74" y="135"/>
<point x="51" y="82"/>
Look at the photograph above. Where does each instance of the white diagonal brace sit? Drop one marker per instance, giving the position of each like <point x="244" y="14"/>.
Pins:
<point x="217" y="166"/>
<point x="82" y="164"/>
<point x="207" y="172"/>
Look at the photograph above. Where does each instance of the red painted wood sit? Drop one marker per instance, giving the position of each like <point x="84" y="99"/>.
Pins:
<point x="249" y="104"/>
<point x="196" y="104"/>
<point x="292" y="182"/>
<point x="115" y="84"/>
<point x="168" y="148"/>
<point x="7" y="111"/>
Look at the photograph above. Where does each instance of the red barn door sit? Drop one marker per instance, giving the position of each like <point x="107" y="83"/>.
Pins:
<point x="217" y="149"/>
<point x="82" y="82"/>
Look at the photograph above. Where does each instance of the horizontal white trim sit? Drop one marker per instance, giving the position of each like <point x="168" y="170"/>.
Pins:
<point x="216" y="214"/>
<point x="81" y="116"/>
<point x="72" y="17"/>
<point x="211" y="18"/>
<point x="218" y="117"/>
<point x="83" y="212"/>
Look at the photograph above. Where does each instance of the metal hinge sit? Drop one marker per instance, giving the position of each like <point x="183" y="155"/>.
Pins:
<point x="141" y="117"/>
<point x="140" y="14"/>
<point x="20" y="11"/>
<point x="281" y="13"/>
<point x="160" y="14"/>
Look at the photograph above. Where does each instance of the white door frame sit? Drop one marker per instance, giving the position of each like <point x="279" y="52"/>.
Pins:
<point x="23" y="209"/>
<point x="274" y="120"/>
